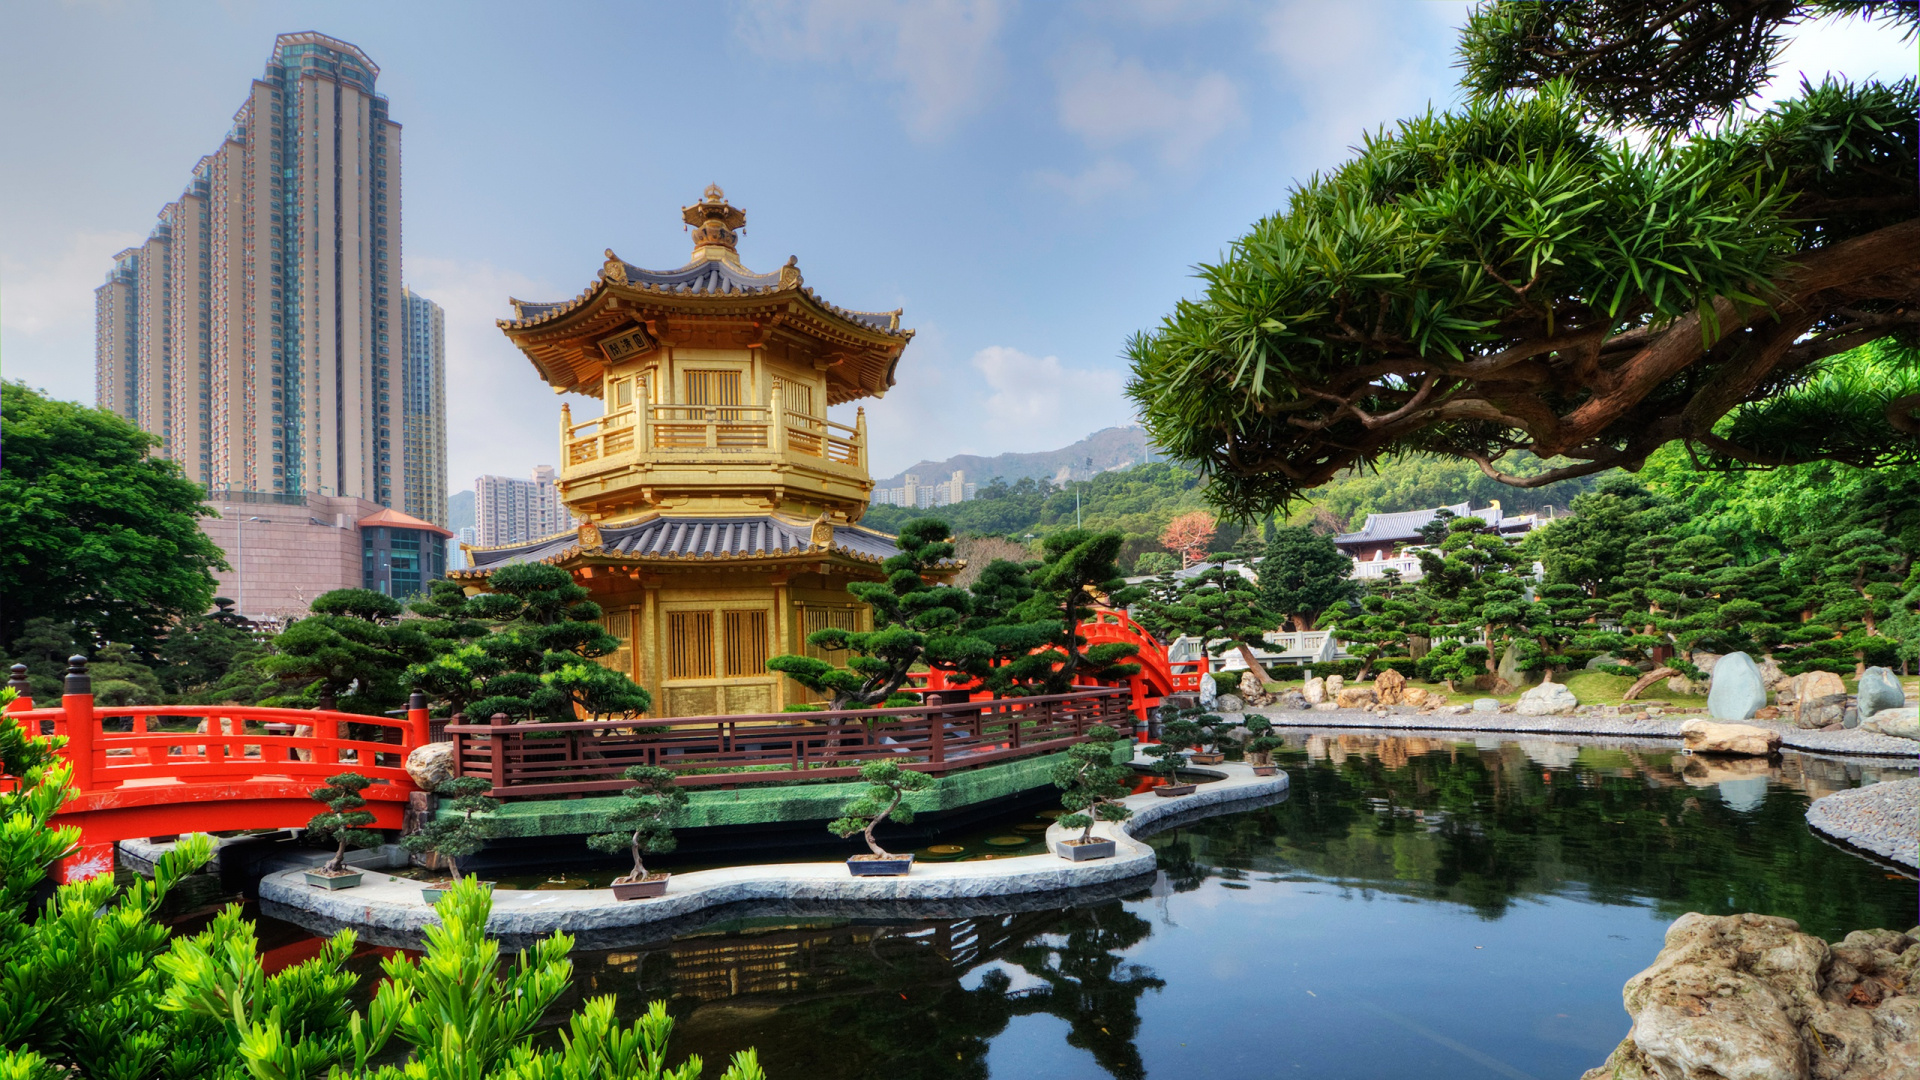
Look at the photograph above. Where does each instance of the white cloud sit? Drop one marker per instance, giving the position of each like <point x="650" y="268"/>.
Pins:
<point x="1108" y="101"/>
<point x="944" y="53"/>
<point x="1096" y="181"/>
<point x="1848" y="46"/>
<point x="1355" y="65"/>
<point x="502" y="419"/>
<point x="46" y="311"/>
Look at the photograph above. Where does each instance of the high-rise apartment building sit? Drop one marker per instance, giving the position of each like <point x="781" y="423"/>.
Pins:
<point x="259" y="331"/>
<point x="511" y="511"/>
<point x="423" y="408"/>
<point x="914" y="493"/>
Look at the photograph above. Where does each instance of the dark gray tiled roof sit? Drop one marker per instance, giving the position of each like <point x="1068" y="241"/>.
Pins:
<point x="1407" y="524"/>
<point x="716" y="277"/>
<point x="699" y="538"/>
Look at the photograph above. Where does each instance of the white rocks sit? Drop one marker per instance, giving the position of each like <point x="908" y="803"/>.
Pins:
<point x="1315" y="690"/>
<point x="1901" y="723"/>
<point x="1879" y="691"/>
<point x="1547" y="699"/>
<point x="1737" y="690"/>
<point x="1707" y="737"/>
<point x="431" y="763"/>
<point x="1486" y="704"/>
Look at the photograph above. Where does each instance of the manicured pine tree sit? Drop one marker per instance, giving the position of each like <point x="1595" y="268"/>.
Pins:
<point x="888" y="786"/>
<point x="1475" y="587"/>
<point x="1303" y="575"/>
<point x="1391" y="612"/>
<point x="1078" y="572"/>
<point x="1091" y="784"/>
<point x="456" y="838"/>
<point x="343" y="820"/>
<point x="644" y="819"/>
<point x="1217" y="605"/>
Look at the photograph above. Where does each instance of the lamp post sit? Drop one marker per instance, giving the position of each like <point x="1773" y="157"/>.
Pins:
<point x="240" y="560"/>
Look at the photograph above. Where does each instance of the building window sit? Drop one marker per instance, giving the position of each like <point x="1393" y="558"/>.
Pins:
<point x="822" y="618"/>
<point x="690" y="645"/>
<point x="713" y="388"/>
<point x="746" y="643"/>
<point x="620" y="625"/>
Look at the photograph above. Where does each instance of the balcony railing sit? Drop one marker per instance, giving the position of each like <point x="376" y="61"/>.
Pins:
<point x="710" y="429"/>
<point x="1408" y="566"/>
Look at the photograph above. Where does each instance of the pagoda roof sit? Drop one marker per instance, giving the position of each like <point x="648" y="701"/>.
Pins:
<point x="690" y="539"/>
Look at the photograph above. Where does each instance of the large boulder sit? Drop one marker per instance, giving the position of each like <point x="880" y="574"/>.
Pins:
<point x="1509" y="671"/>
<point x="1229" y="703"/>
<point x="1486" y="704"/>
<point x="1355" y="697"/>
<point x="1253" y="691"/>
<point x="1707" y="737"/>
<point x="1603" y="660"/>
<point x="1750" y="997"/>
<point x="430" y="763"/>
<point x="1315" y="691"/>
<point x="1819" y="699"/>
<point x="1879" y="690"/>
<point x="1416" y="697"/>
<point x="1334" y="684"/>
<point x="1902" y="722"/>
<point x="1737" y="690"/>
<point x="1771" y="674"/>
<point x="1209" y="690"/>
<point x="1390" y="688"/>
<point x="1547" y="699"/>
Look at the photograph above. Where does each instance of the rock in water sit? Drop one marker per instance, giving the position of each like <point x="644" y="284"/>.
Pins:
<point x="1547" y="699"/>
<point x="1390" y="688"/>
<point x="1750" y="997"/>
<point x="430" y="764"/>
<point x="1819" y="699"/>
<point x="1902" y="722"/>
<point x="1707" y="737"/>
<point x="1879" y="690"/>
<point x="1315" y="691"/>
<point x="1737" y="690"/>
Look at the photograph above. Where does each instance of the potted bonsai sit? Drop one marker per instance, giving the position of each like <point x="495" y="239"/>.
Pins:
<point x="1175" y="737"/>
<point x="1260" y="750"/>
<point x="1092" y="787"/>
<point x="454" y="839"/>
<point x="887" y="788"/>
<point x="1212" y="736"/>
<point x="644" y="823"/>
<point x="344" y="822"/>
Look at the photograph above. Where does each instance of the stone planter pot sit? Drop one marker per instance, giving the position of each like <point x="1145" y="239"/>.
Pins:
<point x="875" y="866"/>
<point x="1207" y="759"/>
<point x="651" y="885"/>
<point x="1077" y="851"/>
<point x="320" y="879"/>
<point x="1169" y="791"/>
<point x="1265" y="770"/>
<point x="432" y="893"/>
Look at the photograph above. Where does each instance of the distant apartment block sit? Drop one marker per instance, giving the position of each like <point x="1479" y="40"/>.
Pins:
<point x="284" y="550"/>
<point x="512" y="511"/>
<point x="423" y="408"/>
<point x="913" y="493"/>
<point x="261" y="330"/>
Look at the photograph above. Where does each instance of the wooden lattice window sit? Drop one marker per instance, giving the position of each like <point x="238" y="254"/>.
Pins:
<point x="713" y="388"/>
<point x="820" y="618"/>
<point x="620" y="625"/>
<point x="690" y="645"/>
<point x="798" y="396"/>
<point x="746" y="643"/>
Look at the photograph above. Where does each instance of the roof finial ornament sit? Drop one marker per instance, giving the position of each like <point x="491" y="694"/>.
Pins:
<point x="615" y="270"/>
<point x="713" y="221"/>
<point x="790" y="273"/>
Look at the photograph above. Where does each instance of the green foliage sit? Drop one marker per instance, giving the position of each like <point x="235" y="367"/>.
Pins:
<point x="99" y="533"/>
<point x="1044" y="653"/>
<point x="1091" y="784"/>
<point x="645" y="820"/>
<point x="1156" y="562"/>
<point x="538" y="663"/>
<point x="456" y="838"/>
<point x="120" y="679"/>
<point x="1217" y="605"/>
<point x="1303" y="574"/>
<point x="350" y="654"/>
<point x="887" y="787"/>
<point x="202" y="650"/>
<point x="343" y="820"/>
<point x="914" y="622"/>
<point x="1179" y="731"/>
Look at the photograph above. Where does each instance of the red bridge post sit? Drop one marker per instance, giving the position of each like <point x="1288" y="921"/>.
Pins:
<point x="417" y="729"/>
<point x="88" y="860"/>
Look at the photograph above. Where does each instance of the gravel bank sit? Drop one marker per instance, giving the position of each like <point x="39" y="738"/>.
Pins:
<point x="1854" y="741"/>
<point x="1881" y="818"/>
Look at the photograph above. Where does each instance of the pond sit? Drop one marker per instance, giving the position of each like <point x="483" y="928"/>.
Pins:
<point x="1438" y="906"/>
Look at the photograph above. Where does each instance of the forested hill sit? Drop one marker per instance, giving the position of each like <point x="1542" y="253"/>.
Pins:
<point x="1139" y="501"/>
<point x="1109" y="448"/>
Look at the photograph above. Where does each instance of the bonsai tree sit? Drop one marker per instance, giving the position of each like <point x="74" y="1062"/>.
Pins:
<point x="643" y="818"/>
<point x="343" y="820"/>
<point x="1091" y="784"/>
<point x="1175" y="737"/>
<point x="1213" y="732"/>
<point x="454" y="839"/>
<point x="1262" y="742"/>
<point x="887" y="787"/>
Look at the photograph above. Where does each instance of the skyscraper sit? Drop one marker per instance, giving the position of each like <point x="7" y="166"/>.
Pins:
<point x="423" y="404"/>
<point x="258" y="331"/>
<point x="511" y="511"/>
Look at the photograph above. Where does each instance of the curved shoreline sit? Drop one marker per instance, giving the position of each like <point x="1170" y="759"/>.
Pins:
<point x="1882" y="818"/>
<point x="391" y="909"/>
<point x="1851" y="742"/>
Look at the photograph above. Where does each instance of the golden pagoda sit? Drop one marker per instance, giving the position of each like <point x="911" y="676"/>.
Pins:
<point x="721" y="506"/>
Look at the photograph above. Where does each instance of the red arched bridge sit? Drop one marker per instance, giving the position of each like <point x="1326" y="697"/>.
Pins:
<point x="142" y="771"/>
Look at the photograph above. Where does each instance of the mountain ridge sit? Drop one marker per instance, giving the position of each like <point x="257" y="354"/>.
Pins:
<point x="1108" y="449"/>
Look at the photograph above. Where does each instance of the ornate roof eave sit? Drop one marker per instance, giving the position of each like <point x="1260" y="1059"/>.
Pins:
<point x="577" y="556"/>
<point x="552" y="337"/>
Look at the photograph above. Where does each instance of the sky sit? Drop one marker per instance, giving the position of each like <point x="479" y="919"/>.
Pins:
<point x="1032" y="182"/>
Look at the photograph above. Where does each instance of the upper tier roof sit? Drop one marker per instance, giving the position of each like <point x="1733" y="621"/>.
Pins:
<point x="683" y="539"/>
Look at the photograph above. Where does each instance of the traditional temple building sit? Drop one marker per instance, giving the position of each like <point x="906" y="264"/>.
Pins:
<point x="721" y="506"/>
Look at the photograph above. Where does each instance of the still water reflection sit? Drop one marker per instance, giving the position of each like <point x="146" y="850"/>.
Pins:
<point x="1415" y="908"/>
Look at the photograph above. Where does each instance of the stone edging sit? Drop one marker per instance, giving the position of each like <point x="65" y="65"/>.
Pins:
<point x="1880" y="818"/>
<point x="1850" y="742"/>
<point x="393" y="906"/>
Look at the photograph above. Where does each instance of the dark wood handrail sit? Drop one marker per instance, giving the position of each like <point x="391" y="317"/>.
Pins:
<point x="815" y="718"/>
